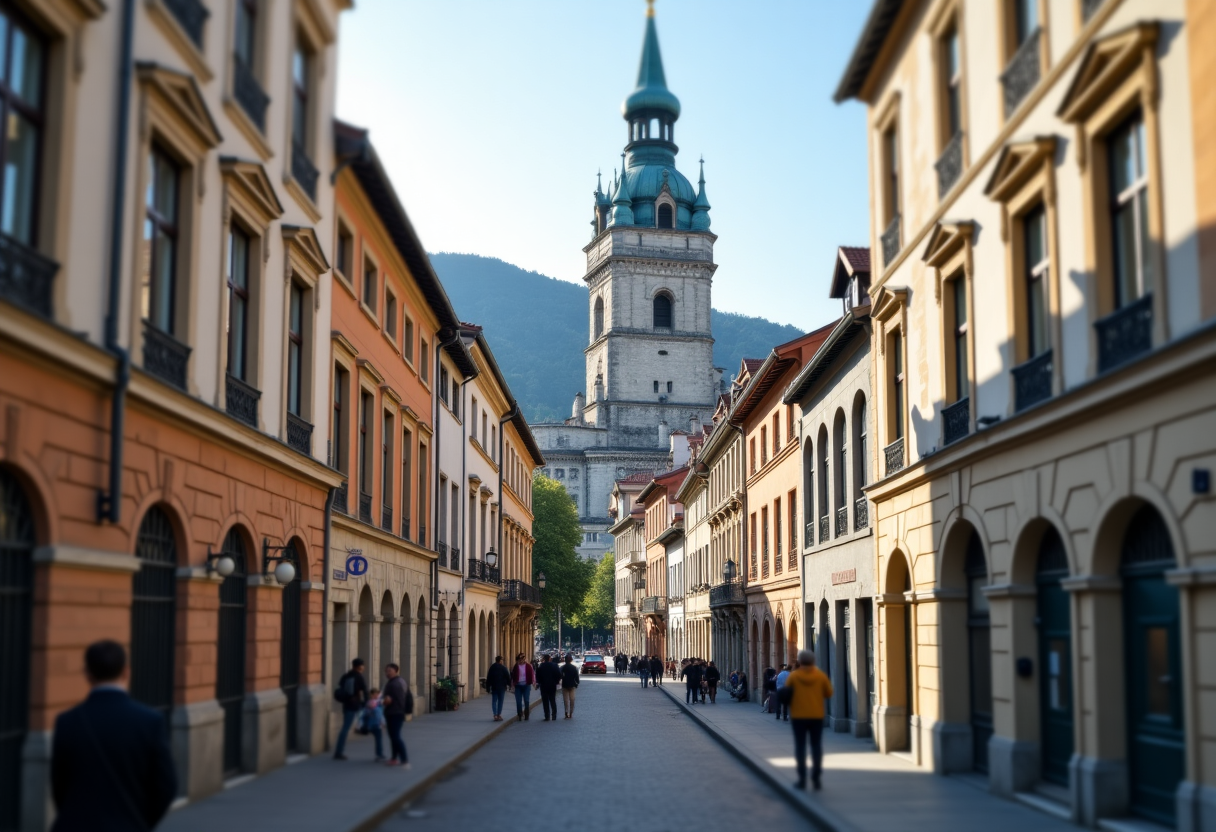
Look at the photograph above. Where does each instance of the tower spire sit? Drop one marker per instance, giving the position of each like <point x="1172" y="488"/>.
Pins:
<point x="700" y="208"/>
<point x="651" y="92"/>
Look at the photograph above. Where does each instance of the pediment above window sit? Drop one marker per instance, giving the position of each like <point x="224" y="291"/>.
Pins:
<point x="1107" y="63"/>
<point x="889" y="301"/>
<point x="248" y="182"/>
<point x="1017" y="164"/>
<point x="948" y="249"/>
<point x="304" y="252"/>
<point x="179" y="97"/>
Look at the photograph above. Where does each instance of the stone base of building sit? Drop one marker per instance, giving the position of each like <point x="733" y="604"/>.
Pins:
<point x="952" y="747"/>
<point x="1013" y="765"/>
<point x="196" y="738"/>
<point x="37" y="811"/>
<point x="1196" y="807"/>
<point x="1099" y="788"/>
<point x="848" y="725"/>
<point x="312" y="718"/>
<point x="264" y="731"/>
<point x="891" y="727"/>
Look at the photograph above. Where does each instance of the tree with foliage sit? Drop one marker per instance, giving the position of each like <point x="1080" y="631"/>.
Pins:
<point x="557" y="531"/>
<point x="599" y="604"/>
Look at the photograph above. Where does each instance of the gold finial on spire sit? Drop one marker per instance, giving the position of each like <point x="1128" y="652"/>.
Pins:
<point x="650" y="8"/>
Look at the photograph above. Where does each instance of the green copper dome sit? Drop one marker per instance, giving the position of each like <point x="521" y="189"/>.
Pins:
<point x="651" y="92"/>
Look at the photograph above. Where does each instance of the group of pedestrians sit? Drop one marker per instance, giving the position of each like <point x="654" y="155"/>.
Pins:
<point x="701" y="679"/>
<point x="524" y="677"/>
<point x="374" y="710"/>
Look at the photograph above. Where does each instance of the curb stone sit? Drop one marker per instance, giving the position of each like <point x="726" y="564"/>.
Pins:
<point x="824" y="819"/>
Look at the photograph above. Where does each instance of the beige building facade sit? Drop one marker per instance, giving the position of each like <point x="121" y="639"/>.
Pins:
<point x="1044" y="377"/>
<point x="723" y="456"/>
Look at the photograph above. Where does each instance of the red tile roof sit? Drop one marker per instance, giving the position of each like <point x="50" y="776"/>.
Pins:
<point x="858" y="257"/>
<point x="640" y="477"/>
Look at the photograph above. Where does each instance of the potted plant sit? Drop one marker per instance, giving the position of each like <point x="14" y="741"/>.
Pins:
<point x="446" y="698"/>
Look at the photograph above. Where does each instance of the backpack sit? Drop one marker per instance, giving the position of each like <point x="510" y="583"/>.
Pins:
<point x="345" y="691"/>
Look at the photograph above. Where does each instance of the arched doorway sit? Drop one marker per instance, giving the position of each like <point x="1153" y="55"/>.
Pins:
<point x="766" y="646"/>
<point x="824" y="656"/>
<point x="1054" y="615"/>
<point x="779" y="645"/>
<point x="386" y="638"/>
<point x="441" y="644"/>
<point x="897" y="702"/>
<point x="1153" y="668"/>
<point x="363" y="630"/>
<point x="230" y="665"/>
<point x="454" y="643"/>
<point x="17" y="540"/>
<point x="754" y="678"/>
<point x="421" y="651"/>
<point x="471" y="650"/>
<point x="407" y="641"/>
<point x="791" y="647"/>
<point x="290" y="645"/>
<point x="154" y="613"/>
<point x="979" y="645"/>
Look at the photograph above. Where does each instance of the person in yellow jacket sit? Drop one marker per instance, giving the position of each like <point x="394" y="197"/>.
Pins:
<point x="811" y="687"/>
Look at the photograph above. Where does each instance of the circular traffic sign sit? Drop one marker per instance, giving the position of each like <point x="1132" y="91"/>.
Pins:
<point x="356" y="564"/>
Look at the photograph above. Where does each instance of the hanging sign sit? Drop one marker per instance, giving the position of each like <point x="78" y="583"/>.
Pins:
<point x="356" y="564"/>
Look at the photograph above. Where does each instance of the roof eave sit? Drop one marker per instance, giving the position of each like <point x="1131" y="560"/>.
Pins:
<point x="865" y="53"/>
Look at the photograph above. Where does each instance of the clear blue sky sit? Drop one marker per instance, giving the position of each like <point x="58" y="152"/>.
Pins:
<point x="492" y="117"/>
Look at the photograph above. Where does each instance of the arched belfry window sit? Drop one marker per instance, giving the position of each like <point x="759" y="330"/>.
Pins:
<point x="153" y="613"/>
<point x="599" y="317"/>
<point x="666" y="216"/>
<point x="662" y="312"/>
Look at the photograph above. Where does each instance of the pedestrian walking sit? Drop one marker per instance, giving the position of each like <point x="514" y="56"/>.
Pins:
<point x="548" y="677"/>
<point x="570" y="680"/>
<point x="111" y="767"/>
<point x="371" y="721"/>
<point x="523" y="679"/>
<point x="783" y="708"/>
<point x="498" y="679"/>
<point x="712" y="677"/>
<point x="656" y="671"/>
<point x="808" y="688"/>
<point x="397" y="703"/>
<point x="644" y="670"/>
<point x="352" y="693"/>
<point x="692" y="682"/>
<point x="768" y="691"/>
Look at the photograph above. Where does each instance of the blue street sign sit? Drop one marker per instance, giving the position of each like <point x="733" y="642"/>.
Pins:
<point x="356" y="565"/>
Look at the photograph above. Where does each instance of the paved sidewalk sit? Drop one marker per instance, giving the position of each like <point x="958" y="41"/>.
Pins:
<point x="358" y="794"/>
<point x="863" y="791"/>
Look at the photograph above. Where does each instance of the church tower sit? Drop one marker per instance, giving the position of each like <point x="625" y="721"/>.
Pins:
<point x="649" y="272"/>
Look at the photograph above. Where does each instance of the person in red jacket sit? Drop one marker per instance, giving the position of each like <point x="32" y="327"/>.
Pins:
<point x="523" y="679"/>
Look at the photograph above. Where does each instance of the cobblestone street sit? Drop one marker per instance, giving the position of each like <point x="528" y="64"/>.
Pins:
<point x="629" y="757"/>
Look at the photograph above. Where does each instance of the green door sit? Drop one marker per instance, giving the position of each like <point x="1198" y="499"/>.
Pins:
<point x="1153" y="667"/>
<point x="1055" y="660"/>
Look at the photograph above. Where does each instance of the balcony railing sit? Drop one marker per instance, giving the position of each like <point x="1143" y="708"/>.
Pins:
<point x="365" y="507"/>
<point x="442" y="548"/>
<point x="454" y="558"/>
<point x="764" y="564"/>
<point x="1022" y="73"/>
<point x="825" y="528"/>
<point x="519" y="592"/>
<point x="1088" y="7"/>
<point x="894" y="455"/>
<point x="956" y="420"/>
<point x="26" y="277"/>
<point x="479" y="570"/>
<point x="949" y="165"/>
<point x="241" y="400"/>
<point x="192" y="16"/>
<point x="249" y="93"/>
<point x="386" y="518"/>
<point x="303" y="170"/>
<point x="405" y="528"/>
<point x="1032" y="381"/>
<point x="1125" y="333"/>
<point x="422" y="534"/>
<point x="165" y="357"/>
<point x="809" y="535"/>
<point x="626" y="608"/>
<point x="727" y="594"/>
<point x="890" y="242"/>
<point x="861" y="514"/>
<point x="299" y="434"/>
<point x="340" y="499"/>
<point x="654" y="605"/>
<point x="842" y="521"/>
<point x="792" y="563"/>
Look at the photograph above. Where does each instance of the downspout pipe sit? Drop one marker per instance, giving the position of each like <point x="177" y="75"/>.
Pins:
<point x="502" y="503"/>
<point x="325" y="581"/>
<point x="109" y="504"/>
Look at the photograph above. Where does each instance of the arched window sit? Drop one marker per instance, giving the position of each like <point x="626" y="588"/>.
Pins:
<point x="17" y="542"/>
<point x="230" y="670"/>
<point x="822" y="484"/>
<point x="840" y="478"/>
<point x="665" y="216"/>
<point x="662" y="312"/>
<point x="290" y="644"/>
<point x="861" y="514"/>
<point x="153" y="612"/>
<point x="599" y="317"/>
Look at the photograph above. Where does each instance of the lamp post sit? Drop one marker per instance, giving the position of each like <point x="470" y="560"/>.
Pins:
<point x="728" y="572"/>
<point x="540" y="581"/>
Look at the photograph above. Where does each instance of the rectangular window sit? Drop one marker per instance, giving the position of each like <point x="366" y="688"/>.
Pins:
<point x="897" y="384"/>
<point x="246" y="29"/>
<point x="764" y="541"/>
<point x="961" y="380"/>
<point x="1034" y="226"/>
<point x="301" y="80"/>
<point x="494" y="442"/>
<point x="407" y="340"/>
<point x="346" y="252"/>
<point x="424" y="467"/>
<point x="22" y="90"/>
<point x="484" y="436"/>
<point x="753" y="454"/>
<point x="443" y="384"/>
<point x="1025" y="20"/>
<point x="371" y="285"/>
<point x="367" y="438"/>
<point x="952" y="78"/>
<point x="407" y="447"/>
<point x="789" y="422"/>
<point x="792" y="502"/>
<point x="158" y="282"/>
<point x="890" y="156"/>
<point x="763" y="445"/>
<point x="777" y="536"/>
<point x="390" y="315"/>
<point x="424" y="362"/>
<point x="656" y="385"/>
<point x="386" y="460"/>
<point x="238" y="301"/>
<point x="1126" y="151"/>
<point x="441" y="530"/>
<point x="338" y="437"/>
<point x="455" y="524"/>
<point x="753" y="543"/>
<point x="776" y="433"/>
<point x="295" y="349"/>
<point x="455" y="398"/>
<point x="669" y="387"/>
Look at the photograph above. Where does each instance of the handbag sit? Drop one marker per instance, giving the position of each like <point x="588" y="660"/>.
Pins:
<point x="409" y="701"/>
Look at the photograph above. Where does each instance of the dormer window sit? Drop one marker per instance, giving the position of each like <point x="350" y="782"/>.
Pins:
<point x="666" y="216"/>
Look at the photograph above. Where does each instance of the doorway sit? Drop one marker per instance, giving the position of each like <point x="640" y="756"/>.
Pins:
<point x="17" y="542"/>
<point x="980" y="653"/>
<point x="845" y="660"/>
<point x="1055" y="659"/>
<point x="289" y="654"/>
<point x="230" y="670"/>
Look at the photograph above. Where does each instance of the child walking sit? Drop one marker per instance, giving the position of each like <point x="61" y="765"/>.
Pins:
<point x="372" y="721"/>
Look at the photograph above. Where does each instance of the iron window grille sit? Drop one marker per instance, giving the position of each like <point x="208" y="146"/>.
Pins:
<point x="1032" y="381"/>
<point x="165" y="357"/>
<point x="299" y="437"/>
<point x="241" y="401"/>
<point x="1021" y="75"/>
<point x="842" y="521"/>
<point x="154" y="613"/>
<point x="956" y="421"/>
<point x="192" y="16"/>
<point x="861" y="514"/>
<point x="894" y="456"/>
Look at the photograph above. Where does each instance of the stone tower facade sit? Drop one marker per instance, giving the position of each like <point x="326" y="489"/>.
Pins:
<point x="649" y="360"/>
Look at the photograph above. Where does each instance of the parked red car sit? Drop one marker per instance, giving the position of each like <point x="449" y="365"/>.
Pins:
<point x="594" y="664"/>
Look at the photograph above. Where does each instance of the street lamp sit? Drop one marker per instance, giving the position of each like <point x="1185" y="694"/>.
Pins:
<point x="540" y="580"/>
<point x="492" y="560"/>
<point x="285" y="572"/>
<point x="221" y="563"/>
<point x="728" y="571"/>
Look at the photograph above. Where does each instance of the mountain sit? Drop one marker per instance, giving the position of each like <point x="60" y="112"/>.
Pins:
<point x="538" y="326"/>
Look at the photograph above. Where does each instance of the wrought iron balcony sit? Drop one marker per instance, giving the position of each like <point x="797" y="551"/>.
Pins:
<point x="809" y="536"/>
<point x="842" y="521"/>
<point x="249" y="93"/>
<point x="956" y="420"/>
<point x="949" y="165"/>
<point x="26" y="277"/>
<point x="340" y="499"/>
<point x="303" y="170"/>
<point x="894" y="454"/>
<point x="792" y="563"/>
<point x="1088" y="7"/>
<point x="518" y="592"/>
<point x="442" y="548"/>
<point x="1022" y="73"/>
<point x="654" y="605"/>
<point x="191" y="15"/>
<point x="890" y="242"/>
<point x="299" y="434"/>
<point x="825" y="528"/>
<point x="241" y="401"/>
<point x="1125" y="333"/>
<point x="861" y="513"/>
<point x="422" y="534"/>
<point x="1032" y="381"/>
<point x="764" y="564"/>
<point x="165" y="357"/>
<point x="479" y="570"/>
<point x="454" y="558"/>
<point x="365" y="507"/>
<point x="386" y="518"/>
<point x="405" y="528"/>
<point x="626" y="609"/>
<point x="727" y="594"/>
<point x="637" y="558"/>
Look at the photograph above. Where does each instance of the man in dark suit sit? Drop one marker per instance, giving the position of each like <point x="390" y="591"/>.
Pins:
<point x="549" y="676"/>
<point x="110" y="764"/>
